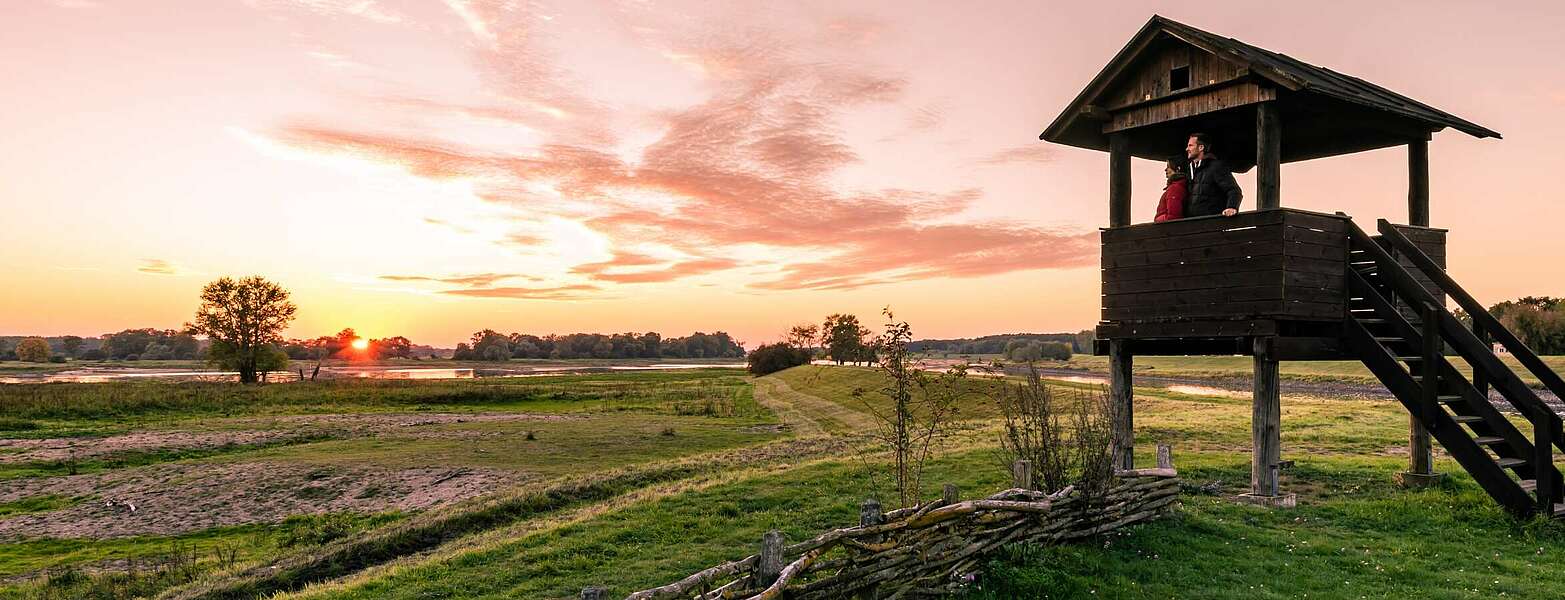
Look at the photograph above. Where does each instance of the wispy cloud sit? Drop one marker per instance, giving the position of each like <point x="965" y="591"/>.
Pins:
<point x="157" y="266"/>
<point x="364" y="9"/>
<point x="1036" y="152"/>
<point x="474" y="280"/>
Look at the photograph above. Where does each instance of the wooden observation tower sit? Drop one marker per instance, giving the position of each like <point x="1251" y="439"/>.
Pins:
<point x="1286" y="284"/>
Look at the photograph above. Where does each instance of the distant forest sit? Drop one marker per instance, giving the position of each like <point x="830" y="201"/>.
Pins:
<point x="493" y="345"/>
<point x="1080" y="343"/>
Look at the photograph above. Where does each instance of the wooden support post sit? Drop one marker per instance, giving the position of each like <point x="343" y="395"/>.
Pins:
<point x="1268" y="156"/>
<point x="1122" y="399"/>
<point x="948" y="494"/>
<point x="1265" y="421"/>
<point x="595" y="593"/>
<point x="1420" y="448"/>
<point x="770" y="564"/>
<point x="1165" y="456"/>
<point x="1418" y="183"/>
<point x="1119" y="180"/>
<point x="1021" y="474"/>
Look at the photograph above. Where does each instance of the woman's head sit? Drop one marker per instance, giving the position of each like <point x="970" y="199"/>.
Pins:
<point x="1176" y="167"/>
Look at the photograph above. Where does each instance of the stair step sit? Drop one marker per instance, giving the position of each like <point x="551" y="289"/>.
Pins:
<point x="1489" y="440"/>
<point x="1389" y="339"/>
<point x="1528" y="484"/>
<point x="1411" y="358"/>
<point x="1467" y="419"/>
<point x="1449" y="399"/>
<point x="1506" y="463"/>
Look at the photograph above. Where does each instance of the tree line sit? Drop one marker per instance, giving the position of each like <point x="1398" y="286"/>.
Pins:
<point x="1004" y="343"/>
<point x="492" y="345"/>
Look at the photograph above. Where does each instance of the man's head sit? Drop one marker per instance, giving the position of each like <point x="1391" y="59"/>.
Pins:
<point x="1197" y="146"/>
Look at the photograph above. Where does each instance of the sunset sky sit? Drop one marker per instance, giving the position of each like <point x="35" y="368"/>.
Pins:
<point x="428" y="168"/>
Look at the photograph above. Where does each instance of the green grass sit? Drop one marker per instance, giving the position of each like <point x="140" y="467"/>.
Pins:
<point x="138" y="458"/>
<point x="631" y="508"/>
<point x="592" y="443"/>
<point x="36" y="504"/>
<point x="39" y="410"/>
<point x="1214" y="548"/>
<point x="147" y="564"/>
<point x="838" y="385"/>
<point x="1241" y="366"/>
<point x="1368" y="540"/>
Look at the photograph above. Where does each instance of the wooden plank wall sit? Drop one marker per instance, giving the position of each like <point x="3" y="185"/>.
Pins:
<point x="1149" y="79"/>
<point x="1275" y="264"/>
<point x="1199" y="103"/>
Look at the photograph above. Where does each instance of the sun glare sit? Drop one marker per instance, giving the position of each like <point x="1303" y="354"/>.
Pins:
<point x="360" y="344"/>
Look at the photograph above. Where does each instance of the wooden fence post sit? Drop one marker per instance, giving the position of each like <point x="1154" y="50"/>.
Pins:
<point x="869" y="513"/>
<point x="1165" y="456"/>
<point x="595" y="593"/>
<point x="770" y="565"/>
<point x="1021" y="474"/>
<point x="948" y="494"/>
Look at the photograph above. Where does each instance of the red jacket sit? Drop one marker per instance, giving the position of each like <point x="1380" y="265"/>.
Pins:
<point x="1172" y="204"/>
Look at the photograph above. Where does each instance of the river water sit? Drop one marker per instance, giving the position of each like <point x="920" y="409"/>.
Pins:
<point x="107" y="374"/>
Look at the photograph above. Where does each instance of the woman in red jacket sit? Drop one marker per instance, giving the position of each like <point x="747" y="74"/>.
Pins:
<point x="1172" y="204"/>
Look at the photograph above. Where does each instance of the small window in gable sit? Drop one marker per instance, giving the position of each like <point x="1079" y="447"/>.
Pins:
<point x="1178" y="79"/>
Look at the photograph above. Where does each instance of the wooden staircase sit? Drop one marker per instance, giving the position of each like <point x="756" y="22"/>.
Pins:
<point x="1401" y="331"/>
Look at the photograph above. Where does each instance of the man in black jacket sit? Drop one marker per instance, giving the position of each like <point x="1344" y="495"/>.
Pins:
<point x="1212" y="186"/>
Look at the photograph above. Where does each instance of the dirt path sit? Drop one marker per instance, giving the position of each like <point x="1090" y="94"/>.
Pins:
<point x="809" y="414"/>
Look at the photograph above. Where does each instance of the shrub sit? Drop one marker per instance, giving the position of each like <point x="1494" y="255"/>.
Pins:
<point x="57" y="358"/>
<point x="772" y="358"/>
<point x="93" y="354"/>
<point x="1068" y="440"/>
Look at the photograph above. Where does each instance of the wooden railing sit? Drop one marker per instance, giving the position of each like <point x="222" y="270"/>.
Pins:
<point x="1546" y="424"/>
<point x="1439" y="324"/>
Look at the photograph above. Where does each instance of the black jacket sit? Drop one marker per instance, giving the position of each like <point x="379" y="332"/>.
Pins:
<point x="1212" y="189"/>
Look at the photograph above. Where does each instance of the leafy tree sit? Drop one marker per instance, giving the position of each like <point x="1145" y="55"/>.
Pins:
<point x="246" y="316"/>
<point x="463" y="352"/>
<point x="33" y="349"/>
<point x="156" y="351"/>
<point x="94" y="354"/>
<point x="843" y="338"/>
<point x="803" y="335"/>
<point x="489" y="338"/>
<point x="392" y="347"/>
<point x="497" y="353"/>
<point x="72" y="343"/>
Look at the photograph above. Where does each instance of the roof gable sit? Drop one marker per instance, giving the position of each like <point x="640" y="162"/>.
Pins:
<point x="1080" y="123"/>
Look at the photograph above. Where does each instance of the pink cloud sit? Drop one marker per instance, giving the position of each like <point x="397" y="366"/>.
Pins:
<point x="564" y="292"/>
<point x="751" y="164"/>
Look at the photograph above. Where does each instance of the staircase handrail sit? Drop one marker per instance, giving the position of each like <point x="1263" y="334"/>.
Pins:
<point x="1466" y="343"/>
<point x="1479" y="314"/>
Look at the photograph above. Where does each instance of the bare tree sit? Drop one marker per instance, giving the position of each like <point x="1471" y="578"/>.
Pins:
<point x="920" y="409"/>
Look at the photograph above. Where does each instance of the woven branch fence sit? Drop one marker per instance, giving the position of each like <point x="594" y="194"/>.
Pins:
<point x="932" y="549"/>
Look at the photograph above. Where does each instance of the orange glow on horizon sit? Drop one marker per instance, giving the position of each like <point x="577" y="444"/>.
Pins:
<point x="360" y="344"/>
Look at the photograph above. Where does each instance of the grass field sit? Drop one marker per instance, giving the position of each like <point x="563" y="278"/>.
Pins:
<point x="633" y="480"/>
<point x="1242" y="366"/>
